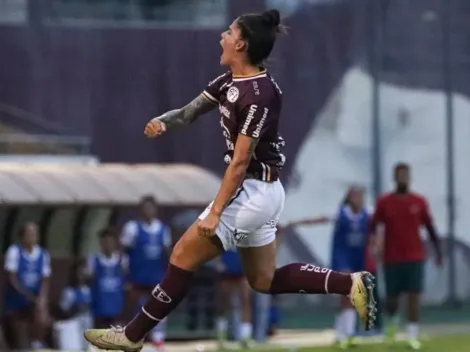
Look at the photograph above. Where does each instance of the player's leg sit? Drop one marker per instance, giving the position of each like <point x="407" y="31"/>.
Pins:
<point x="346" y="322"/>
<point x="246" y="328"/>
<point x="224" y="303"/>
<point x="189" y="253"/>
<point x="414" y="288"/>
<point x="260" y="268"/>
<point x="393" y="286"/>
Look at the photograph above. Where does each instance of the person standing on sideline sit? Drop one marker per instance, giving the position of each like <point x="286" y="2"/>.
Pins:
<point x="402" y="213"/>
<point x="28" y="268"/>
<point x="107" y="271"/>
<point x="147" y="242"/>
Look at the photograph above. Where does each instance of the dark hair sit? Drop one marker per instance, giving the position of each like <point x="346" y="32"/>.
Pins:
<point x="347" y="196"/>
<point x="24" y="227"/>
<point x="260" y="32"/>
<point x="148" y="199"/>
<point x="77" y="268"/>
<point x="401" y="166"/>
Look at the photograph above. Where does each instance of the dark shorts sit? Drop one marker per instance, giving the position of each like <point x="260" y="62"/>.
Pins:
<point x="406" y="277"/>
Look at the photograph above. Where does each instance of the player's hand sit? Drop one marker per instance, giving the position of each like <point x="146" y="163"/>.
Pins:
<point x="154" y="128"/>
<point x="208" y="225"/>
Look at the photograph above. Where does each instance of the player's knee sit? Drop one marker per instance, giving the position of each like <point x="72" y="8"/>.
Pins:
<point x="261" y="282"/>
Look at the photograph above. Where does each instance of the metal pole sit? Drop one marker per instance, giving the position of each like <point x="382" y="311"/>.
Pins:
<point x="449" y="116"/>
<point x="376" y="67"/>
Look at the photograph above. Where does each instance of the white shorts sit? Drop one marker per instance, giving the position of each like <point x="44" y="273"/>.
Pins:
<point x="251" y="217"/>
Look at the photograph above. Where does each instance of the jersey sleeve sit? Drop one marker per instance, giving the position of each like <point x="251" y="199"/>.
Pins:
<point x="254" y="112"/>
<point x="128" y="234"/>
<point x="12" y="259"/>
<point x="212" y="90"/>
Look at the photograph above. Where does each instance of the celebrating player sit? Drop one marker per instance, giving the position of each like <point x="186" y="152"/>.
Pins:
<point x="402" y="213"/>
<point x="250" y="200"/>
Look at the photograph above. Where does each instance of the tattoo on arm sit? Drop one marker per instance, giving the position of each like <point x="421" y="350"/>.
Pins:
<point x="253" y="144"/>
<point x="187" y="114"/>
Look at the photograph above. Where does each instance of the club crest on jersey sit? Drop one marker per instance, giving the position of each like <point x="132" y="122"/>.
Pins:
<point x="232" y="94"/>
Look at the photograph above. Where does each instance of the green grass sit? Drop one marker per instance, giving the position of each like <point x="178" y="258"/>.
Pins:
<point x="454" y="343"/>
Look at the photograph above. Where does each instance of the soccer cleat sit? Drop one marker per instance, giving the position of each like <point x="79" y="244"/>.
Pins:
<point x="362" y="298"/>
<point x="112" y="339"/>
<point x="413" y="344"/>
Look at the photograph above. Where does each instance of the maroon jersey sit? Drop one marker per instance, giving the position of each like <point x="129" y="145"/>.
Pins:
<point x="251" y="106"/>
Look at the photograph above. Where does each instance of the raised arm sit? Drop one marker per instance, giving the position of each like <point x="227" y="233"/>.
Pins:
<point x="179" y="117"/>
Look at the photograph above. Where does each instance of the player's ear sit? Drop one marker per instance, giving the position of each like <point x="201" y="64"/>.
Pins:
<point x="241" y="45"/>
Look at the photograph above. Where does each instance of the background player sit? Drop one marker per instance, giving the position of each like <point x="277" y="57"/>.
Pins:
<point x="107" y="271"/>
<point x="147" y="242"/>
<point x="350" y="245"/>
<point x="233" y="285"/>
<point x="26" y="305"/>
<point x="250" y="200"/>
<point x="402" y="213"/>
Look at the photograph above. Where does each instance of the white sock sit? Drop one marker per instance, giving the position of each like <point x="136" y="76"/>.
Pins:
<point x="159" y="332"/>
<point x="221" y="324"/>
<point x="349" y="322"/>
<point x="246" y="330"/>
<point x="339" y="327"/>
<point x="412" y="330"/>
<point x="340" y="333"/>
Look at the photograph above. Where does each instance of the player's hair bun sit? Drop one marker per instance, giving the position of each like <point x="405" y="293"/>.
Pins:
<point x="271" y="18"/>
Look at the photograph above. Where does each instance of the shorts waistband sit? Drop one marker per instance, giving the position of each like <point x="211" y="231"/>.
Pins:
<point x="259" y="177"/>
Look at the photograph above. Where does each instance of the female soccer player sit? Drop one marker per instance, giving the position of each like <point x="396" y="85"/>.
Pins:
<point x="247" y="207"/>
<point x="349" y="251"/>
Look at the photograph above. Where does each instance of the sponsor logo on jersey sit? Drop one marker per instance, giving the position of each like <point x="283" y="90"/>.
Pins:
<point x="255" y="87"/>
<point x="232" y="94"/>
<point x="224" y="111"/>
<point x="250" y="116"/>
<point x="261" y="123"/>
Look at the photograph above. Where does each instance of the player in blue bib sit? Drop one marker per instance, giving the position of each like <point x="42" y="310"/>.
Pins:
<point x="108" y="273"/>
<point x="25" y="306"/>
<point x="350" y="241"/>
<point x="147" y="242"/>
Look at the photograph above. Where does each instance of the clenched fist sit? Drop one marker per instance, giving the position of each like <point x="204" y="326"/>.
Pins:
<point x="154" y="128"/>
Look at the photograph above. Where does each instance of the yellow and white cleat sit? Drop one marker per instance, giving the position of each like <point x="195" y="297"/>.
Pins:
<point x="113" y="339"/>
<point x="362" y="298"/>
